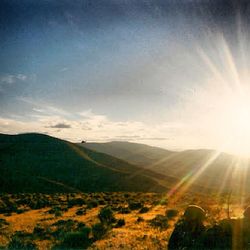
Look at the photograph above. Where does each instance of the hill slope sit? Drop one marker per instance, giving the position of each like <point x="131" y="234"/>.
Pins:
<point x="206" y="168"/>
<point x="135" y="153"/>
<point x="40" y="163"/>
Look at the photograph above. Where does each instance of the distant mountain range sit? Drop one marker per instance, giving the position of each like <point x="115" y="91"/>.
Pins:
<point x="203" y="168"/>
<point x="41" y="163"/>
<point x="135" y="153"/>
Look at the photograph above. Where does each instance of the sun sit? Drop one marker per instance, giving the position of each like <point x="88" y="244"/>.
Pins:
<point x="235" y="125"/>
<point x="225" y="97"/>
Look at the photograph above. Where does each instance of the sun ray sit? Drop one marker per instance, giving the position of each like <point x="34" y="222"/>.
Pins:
<point x="212" y="67"/>
<point x="231" y="64"/>
<point x="226" y="180"/>
<point x="184" y="185"/>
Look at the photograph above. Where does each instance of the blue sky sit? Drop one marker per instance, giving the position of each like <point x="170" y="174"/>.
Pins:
<point x="115" y="70"/>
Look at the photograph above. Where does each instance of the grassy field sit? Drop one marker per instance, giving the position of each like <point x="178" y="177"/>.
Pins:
<point x="99" y="220"/>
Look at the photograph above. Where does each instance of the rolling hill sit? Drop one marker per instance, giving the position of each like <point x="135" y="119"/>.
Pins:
<point x="40" y="163"/>
<point x="135" y="153"/>
<point x="206" y="168"/>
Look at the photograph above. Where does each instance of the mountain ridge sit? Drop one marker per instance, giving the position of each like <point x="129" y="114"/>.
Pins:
<point x="205" y="167"/>
<point x="34" y="162"/>
<point x="40" y="159"/>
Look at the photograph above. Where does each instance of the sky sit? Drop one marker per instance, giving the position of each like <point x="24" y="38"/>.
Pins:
<point x="168" y="73"/>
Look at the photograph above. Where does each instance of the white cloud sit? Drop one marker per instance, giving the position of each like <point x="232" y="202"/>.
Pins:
<point x="10" y="78"/>
<point x="42" y="107"/>
<point x="21" y="77"/>
<point x="88" y="126"/>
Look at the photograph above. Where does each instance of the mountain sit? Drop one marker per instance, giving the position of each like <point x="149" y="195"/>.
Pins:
<point x="205" y="168"/>
<point x="40" y="163"/>
<point x="135" y="153"/>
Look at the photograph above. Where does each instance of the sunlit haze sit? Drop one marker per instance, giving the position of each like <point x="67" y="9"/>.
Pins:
<point x="173" y="74"/>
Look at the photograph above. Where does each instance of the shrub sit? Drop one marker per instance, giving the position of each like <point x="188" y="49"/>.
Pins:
<point x="144" y="210"/>
<point x="38" y="230"/>
<point x="75" y="240"/>
<point x="120" y="223"/>
<point x="53" y="210"/>
<point x="37" y="204"/>
<point x="58" y="213"/>
<point x="139" y="219"/>
<point x="64" y="226"/>
<point x="3" y="207"/>
<point x="115" y="207"/>
<point x="8" y="207"/>
<point x="65" y="223"/>
<point x="92" y="204"/>
<point x="102" y="202"/>
<point x="98" y="230"/>
<point x="159" y="221"/>
<point x="3" y="223"/>
<point x="7" y="214"/>
<point x="80" y="212"/>
<point x="81" y="226"/>
<point x="107" y="198"/>
<point x="125" y="210"/>
<point x="20" y="211"/>
<point x="76" y="202"/>
<point x="135" y="205"/>
<point x="106" y="216"/>
<point x="19" y="241"/>
<point x="126" y="195"/>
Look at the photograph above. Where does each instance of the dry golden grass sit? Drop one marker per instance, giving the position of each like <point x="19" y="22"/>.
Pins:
<point x="137" y="235"/>
<point x="133" y="235"/>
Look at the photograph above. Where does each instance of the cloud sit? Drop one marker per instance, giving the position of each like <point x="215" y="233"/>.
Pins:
<point x="64" y="69"/>
<point x="155" y="138"/>
<point x="40" y="106"/>
<point x="38" y="110"/>
<point x="138" y="138"/>
<point x="9" y="78"/>
<point x="21" y="77"/>
<point x="88" y="126"/>
<point x="61" y="125"/>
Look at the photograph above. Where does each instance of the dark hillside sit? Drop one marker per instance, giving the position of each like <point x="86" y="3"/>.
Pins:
<point x="40" y="163"/>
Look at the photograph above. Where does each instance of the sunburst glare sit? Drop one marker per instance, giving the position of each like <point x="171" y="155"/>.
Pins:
<point x="221" y="105"/>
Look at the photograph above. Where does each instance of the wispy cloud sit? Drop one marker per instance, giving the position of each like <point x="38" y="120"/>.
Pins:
<point x="9" y="78"/>
<point x="21" y="77"/>
<point x="138" y="138"/>
<point x="64" y="69"/>
<point x="40" y="106"/>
